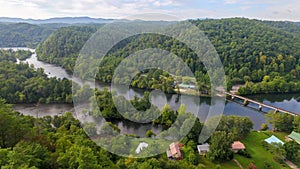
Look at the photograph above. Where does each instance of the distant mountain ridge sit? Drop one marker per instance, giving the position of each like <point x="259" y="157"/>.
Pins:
<point x="65" y="20"/>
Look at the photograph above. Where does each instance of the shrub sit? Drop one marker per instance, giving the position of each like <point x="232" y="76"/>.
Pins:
<point x="244" y="153"/>
<point x="278" y="159"/>
<point x="252" y="166"/>
<point x="264" y="127"/>
<point x="267" y="165"/>
<point x="266" y="145"/>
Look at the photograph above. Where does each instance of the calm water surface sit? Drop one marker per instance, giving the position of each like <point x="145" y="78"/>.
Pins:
<point x="289" y="102"/>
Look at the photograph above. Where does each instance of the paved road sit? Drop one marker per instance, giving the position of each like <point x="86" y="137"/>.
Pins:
<point x="291" y="165"/>
<point x="238" y="163"/>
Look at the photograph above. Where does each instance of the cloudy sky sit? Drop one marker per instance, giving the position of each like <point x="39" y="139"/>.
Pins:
<point x="261" y="9"/>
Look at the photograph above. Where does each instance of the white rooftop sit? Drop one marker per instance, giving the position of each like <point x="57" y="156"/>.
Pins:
<point x="141" y="147"/>
<point x="274" y="139"/>
<point x="203" y="147"/>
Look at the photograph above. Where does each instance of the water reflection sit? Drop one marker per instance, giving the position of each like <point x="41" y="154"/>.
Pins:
<point x="200" y="108"/>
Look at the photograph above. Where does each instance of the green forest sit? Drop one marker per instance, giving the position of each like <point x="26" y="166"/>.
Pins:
<point x="21" y="83"/>
<point x="262" y="55"/>
<point x="23" y="34"/>
<point x="61" y="142"/>
<point x="63" y="46"/>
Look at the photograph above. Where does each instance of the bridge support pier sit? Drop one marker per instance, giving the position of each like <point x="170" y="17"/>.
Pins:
<point x="260" y="107"/>
<point x="246" y="102"/>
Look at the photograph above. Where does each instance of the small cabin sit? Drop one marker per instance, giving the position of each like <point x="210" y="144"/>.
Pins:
<point x="141" y="146"/>
<point x="273" y="139"/>
<point x="174" y="152"/>
<point x="186" y="86"/>
<point x="237" y="146"/>
<point x="203" y="149"/>
<point x="294" y="136"/>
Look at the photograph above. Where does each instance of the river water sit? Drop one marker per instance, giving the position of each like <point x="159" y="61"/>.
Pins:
<point x="289" y="102"/>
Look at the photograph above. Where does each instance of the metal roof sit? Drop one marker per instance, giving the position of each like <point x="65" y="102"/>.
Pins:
<point x="295" y="136"/>
<point x="203" y="147"/>
<point x="274" y="139"/>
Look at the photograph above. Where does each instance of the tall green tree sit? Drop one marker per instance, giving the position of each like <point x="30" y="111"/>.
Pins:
<point x="296" y="124"/>
<point x="292" y="150"/>
<point x="220" y="146"/>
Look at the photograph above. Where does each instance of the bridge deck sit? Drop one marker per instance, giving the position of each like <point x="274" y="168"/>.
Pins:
<point x="262" y="104"/>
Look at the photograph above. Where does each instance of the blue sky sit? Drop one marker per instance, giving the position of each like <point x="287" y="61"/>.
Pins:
<point x="184" y="9"/>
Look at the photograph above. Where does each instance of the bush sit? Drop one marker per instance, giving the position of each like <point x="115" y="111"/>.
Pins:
<point x="264" y="127"/>
<point x="218" y="166"/>
<point x="267" y="165"/>
<point x="265" y="145"/>
<point x="244" y="153"/>
<point x="252" y="166"/>
<point x="278" y="159"/>
<point x="201" y="166"/>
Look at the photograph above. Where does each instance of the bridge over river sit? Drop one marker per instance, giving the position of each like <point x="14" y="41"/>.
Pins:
<point x="260" y="105"/>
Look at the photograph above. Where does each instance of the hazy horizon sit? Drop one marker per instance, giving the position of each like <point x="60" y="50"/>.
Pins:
<point x="279" y="10"/>
<point x="88" y="17"/>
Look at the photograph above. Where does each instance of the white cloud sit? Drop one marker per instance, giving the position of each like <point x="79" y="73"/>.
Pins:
<point x="273" y="9"/>
<point x="231" y="1"/>
<point x="279" y="10"/>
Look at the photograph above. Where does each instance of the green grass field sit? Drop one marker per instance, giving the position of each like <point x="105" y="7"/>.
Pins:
<point x="280" y="135"/>
<point x="253" y="143"/>
<point x="225" y="165"/>
<point x="258" y="152"/>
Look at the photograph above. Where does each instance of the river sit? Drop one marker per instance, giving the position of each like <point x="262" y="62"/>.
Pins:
<point x="289" y="102"/>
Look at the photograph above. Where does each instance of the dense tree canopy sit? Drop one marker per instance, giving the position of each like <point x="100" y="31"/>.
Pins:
<point x="249" y="49"/>
<point x="220" y="144"/>
<point x="23" y="34"/>
<point x="63" y="46"/>
<point x="282" y="121"/>
<point x="21" y="83"/>
<point x="263" y="55"/>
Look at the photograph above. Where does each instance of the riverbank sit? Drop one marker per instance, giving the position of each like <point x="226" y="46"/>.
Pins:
<point x="199" y="106"/>
<point x="42" y="110"/>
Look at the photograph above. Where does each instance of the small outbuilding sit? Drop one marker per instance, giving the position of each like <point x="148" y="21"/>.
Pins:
<point x="237" y="146"/>
<point x="273" y="139"/>
<point x="187" y="86"/>
<point x="295" y="136"/>
<point x="203" y="149"/>
<point x="141" y="146"/>
<point x="174" y="152"/>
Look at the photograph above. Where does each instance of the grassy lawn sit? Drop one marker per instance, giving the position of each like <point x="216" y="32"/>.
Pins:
<point x="258" y="152"/>
<point x="160" y="144"/>
<point x="253" y="143"/>
<point x="211" y="165"/>
<point x="297" y="163"/>
<point x="280" y="135"/>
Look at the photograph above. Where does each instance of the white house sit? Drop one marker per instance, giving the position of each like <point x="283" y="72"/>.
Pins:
<point x="141" y="147"/>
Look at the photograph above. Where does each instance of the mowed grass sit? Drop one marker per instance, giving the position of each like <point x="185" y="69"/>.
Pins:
<point x="160" y="144"/>
<point x="260" y="155"/>
<point x="297" y="163"/>
<point x="224" y="165"/>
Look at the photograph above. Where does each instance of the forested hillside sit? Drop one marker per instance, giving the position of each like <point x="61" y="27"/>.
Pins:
<point x="21" y="83"/>
<point x="252" y="52"/>
<point x="22" y="34"/>
<point x="62" y="47"/>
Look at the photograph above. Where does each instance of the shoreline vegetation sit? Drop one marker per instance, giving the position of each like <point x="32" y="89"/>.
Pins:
<point x="264" y="56"/>
<point x="55" y="141"/>
<point x="249" y="57"/>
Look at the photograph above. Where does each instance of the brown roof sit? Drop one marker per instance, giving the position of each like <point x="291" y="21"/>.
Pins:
<point x="174" y="148"/>
<point x="238" y="146"/>
<point x="175" y="151"/>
